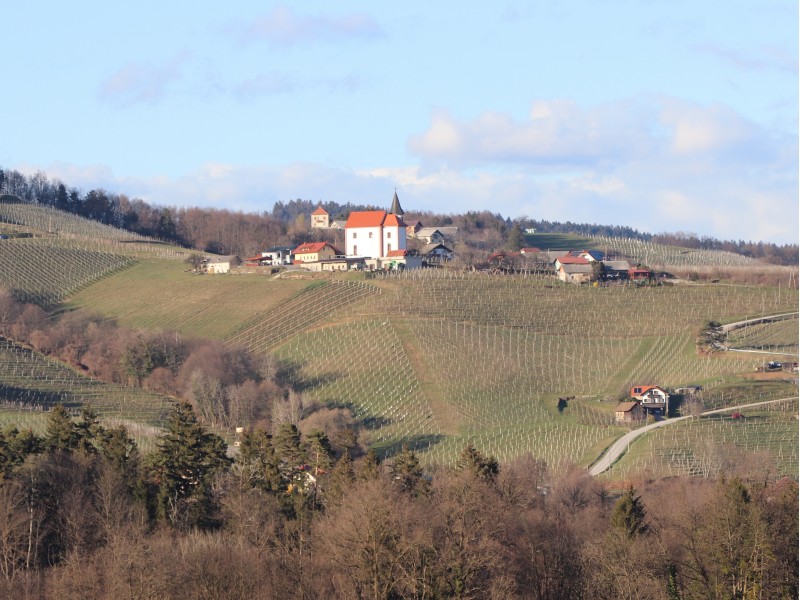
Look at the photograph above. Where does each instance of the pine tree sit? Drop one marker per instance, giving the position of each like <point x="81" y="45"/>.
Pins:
<point x="370" y="467"/>
<point x="480" y="466"/>
<point x="629" y="514"/>
<point x="183" y="467"/>
<point x="408" y="473"/>
<point x="61" y="433"/>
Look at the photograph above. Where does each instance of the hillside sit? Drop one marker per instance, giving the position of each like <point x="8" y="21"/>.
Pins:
<point x="431" y="359"/>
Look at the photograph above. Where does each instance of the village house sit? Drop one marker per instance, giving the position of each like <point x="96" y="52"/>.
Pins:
<point x="219" y="264"/>
<point x="627" y="413"/>
<point x="435" y="253"/>
<point x="311" y="252"/>
<point x="654" y="399"/>
<point x="320" y="219"/>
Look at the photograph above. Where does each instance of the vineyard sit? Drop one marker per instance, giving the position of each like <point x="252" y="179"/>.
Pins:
<point x="430" y="358"/>
<point x="778" y="337"/>
<point x="31" y="383"/>
<point x="44" y="274"/>
<point x="705" y="446"/>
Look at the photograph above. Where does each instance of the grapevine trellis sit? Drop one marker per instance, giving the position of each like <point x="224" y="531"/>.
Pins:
<point x="499" y="350"/>
<point x="697" y="447"/>
<point x="29" y="379"/>
<point x="45" y="274"/>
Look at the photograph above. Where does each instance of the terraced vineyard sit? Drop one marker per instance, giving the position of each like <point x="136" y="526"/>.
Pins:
<point x="698" y="447"/>
<point x="317" y="302"/>
<point x="67" y="230"/>
<point x="663" y="256"/>
<point x="30" y="380"/>
<point x="44" y="274"/>
<point x="776" y="336"/>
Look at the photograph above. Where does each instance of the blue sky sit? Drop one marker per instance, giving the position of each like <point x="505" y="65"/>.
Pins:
<point x="660" y="115"/>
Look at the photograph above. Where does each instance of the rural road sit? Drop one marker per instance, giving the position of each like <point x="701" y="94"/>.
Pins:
<point x="618" y="448"/>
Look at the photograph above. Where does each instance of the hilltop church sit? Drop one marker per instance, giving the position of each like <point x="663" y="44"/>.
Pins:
<point x="379" y="237"/>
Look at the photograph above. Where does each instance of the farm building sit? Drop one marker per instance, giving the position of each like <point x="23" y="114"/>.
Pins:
<point x="220" y="264"/>
<point x="320" y="219"/>
<point x="314" y="252"/>
<point x="628" y="412"/>
<point x="654" y="399"/>
<point x="575" y="273"/>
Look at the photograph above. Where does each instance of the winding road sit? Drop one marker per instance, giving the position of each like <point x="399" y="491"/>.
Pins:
<point x="618" y="448"/>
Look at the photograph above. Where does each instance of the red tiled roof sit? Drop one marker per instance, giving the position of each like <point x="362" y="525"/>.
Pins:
<point x="255" y="258"/>
<point x="397" y="253"/>
<point x="310" y="247"/>
<point x="572" y="260"/>
<point x="644" y="388"/>
<point x="366" y="218"/>
<point x="320" y="211"/>
<point x="393" y="220"/>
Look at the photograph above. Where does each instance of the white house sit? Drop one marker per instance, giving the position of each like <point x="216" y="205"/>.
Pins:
<point x="653" y="398"/>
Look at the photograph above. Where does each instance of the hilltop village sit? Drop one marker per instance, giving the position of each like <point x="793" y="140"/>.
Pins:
<point x="382" y="240"/>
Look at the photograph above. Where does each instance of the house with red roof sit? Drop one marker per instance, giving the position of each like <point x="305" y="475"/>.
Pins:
<point x="312" y="252"/>
<point x="374" y="234"/>
<point x="654" y="399"/>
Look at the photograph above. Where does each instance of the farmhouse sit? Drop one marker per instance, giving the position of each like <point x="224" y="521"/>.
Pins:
<point x="654" y="399"/>
<point x="311" y="252"/>
<point x="320" y="218"/>
<point x="435" y="253"/>
<point x="628" y="412"/>
<point x="220" y="264"/>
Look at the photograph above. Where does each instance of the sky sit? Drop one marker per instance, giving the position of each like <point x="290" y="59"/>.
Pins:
<point x="661" y="115"/>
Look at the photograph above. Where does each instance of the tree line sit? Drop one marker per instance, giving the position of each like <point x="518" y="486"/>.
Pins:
<point x="84" y="515"/>
<point x="243" y="234"/>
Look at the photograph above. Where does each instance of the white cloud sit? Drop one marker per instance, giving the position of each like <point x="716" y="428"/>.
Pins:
<point x="137" y="83"/>
<point x="284" y="27"/>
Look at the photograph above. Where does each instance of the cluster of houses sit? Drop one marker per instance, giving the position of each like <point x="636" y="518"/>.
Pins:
<point x="644" y="400"/>
<point x="575" y="266"/>
<point x="378" y="240"/>
<point x="373" y="239"/>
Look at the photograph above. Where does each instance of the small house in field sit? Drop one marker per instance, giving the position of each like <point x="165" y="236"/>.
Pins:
<point x="320" y="219"/>
<point x="628" y="412"/>
<point x="220" y="264"/>
<point x="312" y="252"/>
<point x="654" y="399"/>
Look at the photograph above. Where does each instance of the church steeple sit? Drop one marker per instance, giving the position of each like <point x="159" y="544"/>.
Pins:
<point x="396" y="209"/>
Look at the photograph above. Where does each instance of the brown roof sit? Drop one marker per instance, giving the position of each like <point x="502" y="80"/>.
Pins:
<point x="626" y="406"/>
<point x="572" y="260"/>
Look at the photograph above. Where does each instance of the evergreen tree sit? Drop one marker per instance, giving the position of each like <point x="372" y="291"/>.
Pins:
<point x="408" y="473"/>
<point x="480" y="466"/>
<point x="257" y="462"/>
<point x="61" y="433"/>
<point x="370" y="467"/>
<point x="183" y="467"/>
<point x="629" y="514"/>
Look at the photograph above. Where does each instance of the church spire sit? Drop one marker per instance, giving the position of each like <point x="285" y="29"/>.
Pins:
<point x="396" y="209"/>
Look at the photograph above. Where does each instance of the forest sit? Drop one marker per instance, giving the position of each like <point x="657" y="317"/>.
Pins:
<point x="230" y="232"/>
<point x="84" y="515"/>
